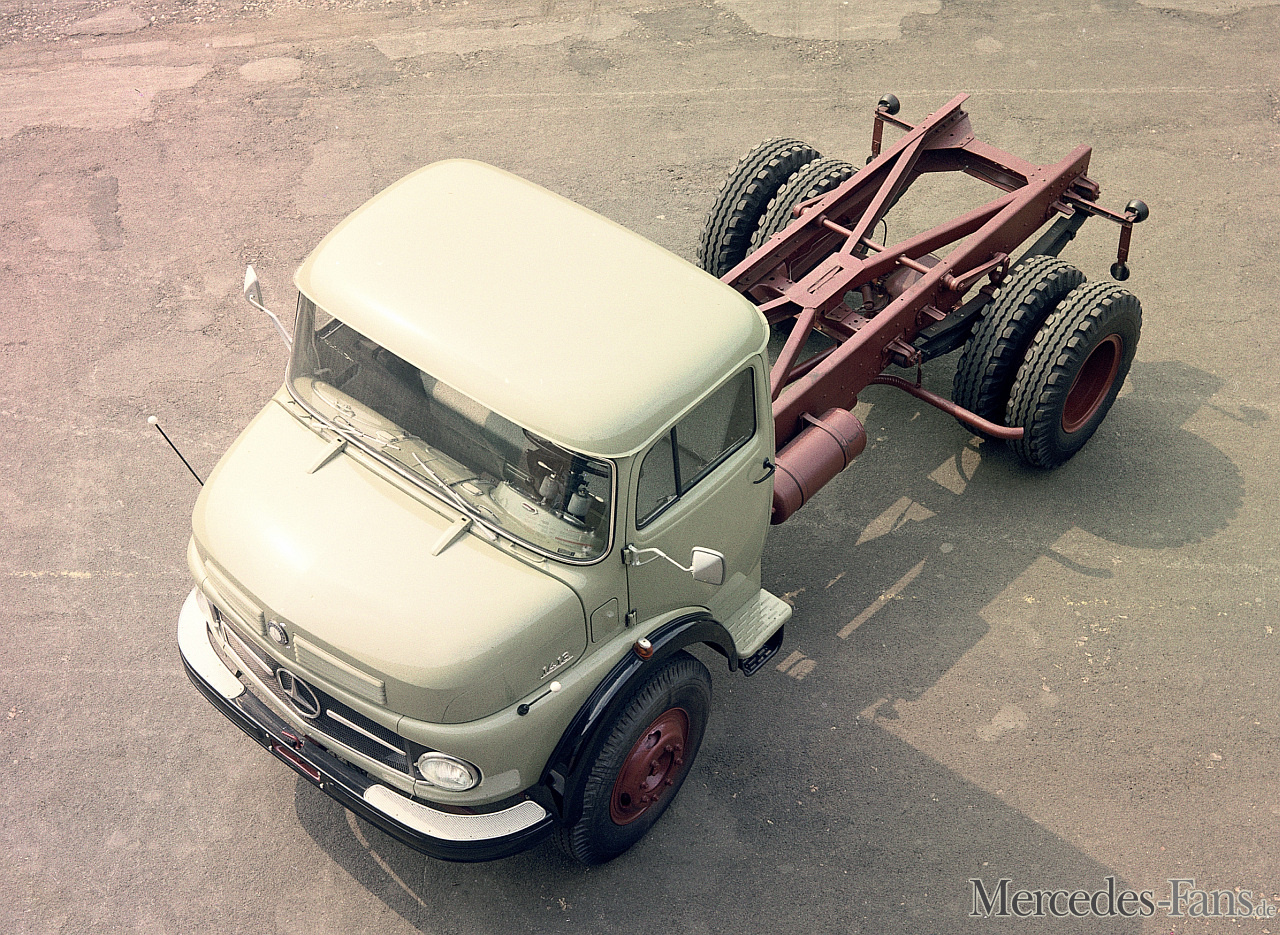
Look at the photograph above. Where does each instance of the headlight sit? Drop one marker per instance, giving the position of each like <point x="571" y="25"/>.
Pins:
<point x="448" y="772"/>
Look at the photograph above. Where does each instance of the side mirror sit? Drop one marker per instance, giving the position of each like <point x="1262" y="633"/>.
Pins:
<point x="253" y="294"/>
<point x="708" y="566"/>
<point x="252" y="288"/>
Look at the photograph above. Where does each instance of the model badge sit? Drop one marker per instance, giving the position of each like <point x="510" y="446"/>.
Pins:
<point x="301" y="695"/>
<point x="276" y="630"/>
<point x="548" y="669"/>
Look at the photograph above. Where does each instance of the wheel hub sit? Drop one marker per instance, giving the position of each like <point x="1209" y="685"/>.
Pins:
<point x="1092" y="383"/>
<point x="651" y="766"/>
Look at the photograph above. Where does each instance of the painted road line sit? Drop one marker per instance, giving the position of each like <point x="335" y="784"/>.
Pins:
<point x="880" y="601"/>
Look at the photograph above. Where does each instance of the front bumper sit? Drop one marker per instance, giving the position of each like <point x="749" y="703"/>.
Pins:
<point x="436" y="833"/>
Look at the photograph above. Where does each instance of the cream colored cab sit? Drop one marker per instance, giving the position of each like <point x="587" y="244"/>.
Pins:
<point x="521" y="460"/>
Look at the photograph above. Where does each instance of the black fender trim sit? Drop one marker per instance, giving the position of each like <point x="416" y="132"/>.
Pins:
<point x="563" y="775"/>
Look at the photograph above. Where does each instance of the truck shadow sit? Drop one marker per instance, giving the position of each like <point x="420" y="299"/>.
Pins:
<point x="804" y="808"/>
<point x="890" y="847"/>
<point x="961" y="533"/>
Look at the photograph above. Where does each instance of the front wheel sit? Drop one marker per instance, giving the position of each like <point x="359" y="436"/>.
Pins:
<point x="646" y="755"/>
<point x="1073" y="371"/>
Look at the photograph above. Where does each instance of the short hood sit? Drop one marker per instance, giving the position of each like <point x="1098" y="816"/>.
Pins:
<point x="343" y="557"/>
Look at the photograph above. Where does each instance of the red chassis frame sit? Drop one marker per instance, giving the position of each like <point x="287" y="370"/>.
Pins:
<point x="806" y="271"/>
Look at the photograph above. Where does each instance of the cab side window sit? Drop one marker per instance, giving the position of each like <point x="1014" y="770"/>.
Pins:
<point x="719" y="426"/>
<point x="657" y="486"/>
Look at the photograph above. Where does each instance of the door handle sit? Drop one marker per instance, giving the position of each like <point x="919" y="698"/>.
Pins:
<point x="769" y="473"/>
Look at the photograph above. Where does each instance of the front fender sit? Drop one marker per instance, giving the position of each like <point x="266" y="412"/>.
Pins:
<point x="564" y="772"/>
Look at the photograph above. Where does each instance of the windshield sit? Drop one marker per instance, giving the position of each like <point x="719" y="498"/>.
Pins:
<point x="551" y="499"/>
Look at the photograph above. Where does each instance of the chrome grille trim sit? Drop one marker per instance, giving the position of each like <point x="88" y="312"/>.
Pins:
<point x="360" y="730"/>
<point x="349" y="730"/>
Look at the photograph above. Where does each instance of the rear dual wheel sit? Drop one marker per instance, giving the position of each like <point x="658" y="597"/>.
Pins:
<point x="744" y="197"/>
<point x="1073" y="372"/>
<point x="816" y="178"/>
<point x="1049" y="356"/>
<point x="995" y="350"/>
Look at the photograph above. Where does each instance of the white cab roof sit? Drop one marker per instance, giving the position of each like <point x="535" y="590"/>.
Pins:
<point x="547" y="313"/>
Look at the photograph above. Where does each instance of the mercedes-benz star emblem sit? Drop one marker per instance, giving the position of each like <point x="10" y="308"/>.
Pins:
<point x="276" y="630"/>
<point x="301" y="695"/>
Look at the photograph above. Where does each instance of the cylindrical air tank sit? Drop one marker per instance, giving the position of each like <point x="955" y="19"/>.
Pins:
<point x="822" y="450"/>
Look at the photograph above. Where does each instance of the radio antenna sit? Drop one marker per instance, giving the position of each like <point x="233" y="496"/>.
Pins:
<point x="152" y="420"/>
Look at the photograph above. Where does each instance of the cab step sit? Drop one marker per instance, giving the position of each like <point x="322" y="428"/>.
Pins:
<point x="754" y="624"/>
<point x="755" y="662"/>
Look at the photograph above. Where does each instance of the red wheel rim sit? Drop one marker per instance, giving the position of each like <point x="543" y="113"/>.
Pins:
<point x="1092" y="383"/>
<point x="651" y="767"/>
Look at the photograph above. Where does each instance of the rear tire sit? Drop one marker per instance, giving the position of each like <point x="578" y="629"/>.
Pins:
<point x="743" y="197"/>
<point x="817" y="178"/>
<point x="646" y="755"/>
<point x="1073" y="372"/>
<point x="991" y="357"/>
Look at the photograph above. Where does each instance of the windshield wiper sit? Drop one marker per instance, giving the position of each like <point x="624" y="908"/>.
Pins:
<point x="454" y="497"/>
<point x="343" y="424"/>
<point x="344" y="427"/>
<point x="457" y="500"/>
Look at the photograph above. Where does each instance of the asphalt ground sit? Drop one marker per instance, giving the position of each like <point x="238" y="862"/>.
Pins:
<point x="991" y="673"/>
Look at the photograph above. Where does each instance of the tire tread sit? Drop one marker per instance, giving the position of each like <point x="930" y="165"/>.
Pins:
<point x="817" y="178"/>
<point x="991" y="357"/>
<point x="742" y="199"/>
<point x="1084" y="317"/>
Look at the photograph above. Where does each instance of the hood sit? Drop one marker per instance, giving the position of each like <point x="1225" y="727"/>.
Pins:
<point x="342" y="557"/>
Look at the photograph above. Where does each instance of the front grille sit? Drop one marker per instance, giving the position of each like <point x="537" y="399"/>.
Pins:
<point x="336" y="721"/>
<point x="263" y="666"/>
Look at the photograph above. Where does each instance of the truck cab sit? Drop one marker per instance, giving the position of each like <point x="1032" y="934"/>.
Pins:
<point x="521" y="460"/>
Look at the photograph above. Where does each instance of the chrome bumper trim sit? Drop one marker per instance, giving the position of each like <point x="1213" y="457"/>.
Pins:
<point x="193" y="643"/>
<point x="448" y="826"/>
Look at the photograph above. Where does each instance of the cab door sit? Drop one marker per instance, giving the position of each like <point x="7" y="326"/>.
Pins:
<point x="705" y="483"/>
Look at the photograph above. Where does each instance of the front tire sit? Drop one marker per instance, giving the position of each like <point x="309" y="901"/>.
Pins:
<point x="1073" y="372"/>
<point x="646" y="755"/>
